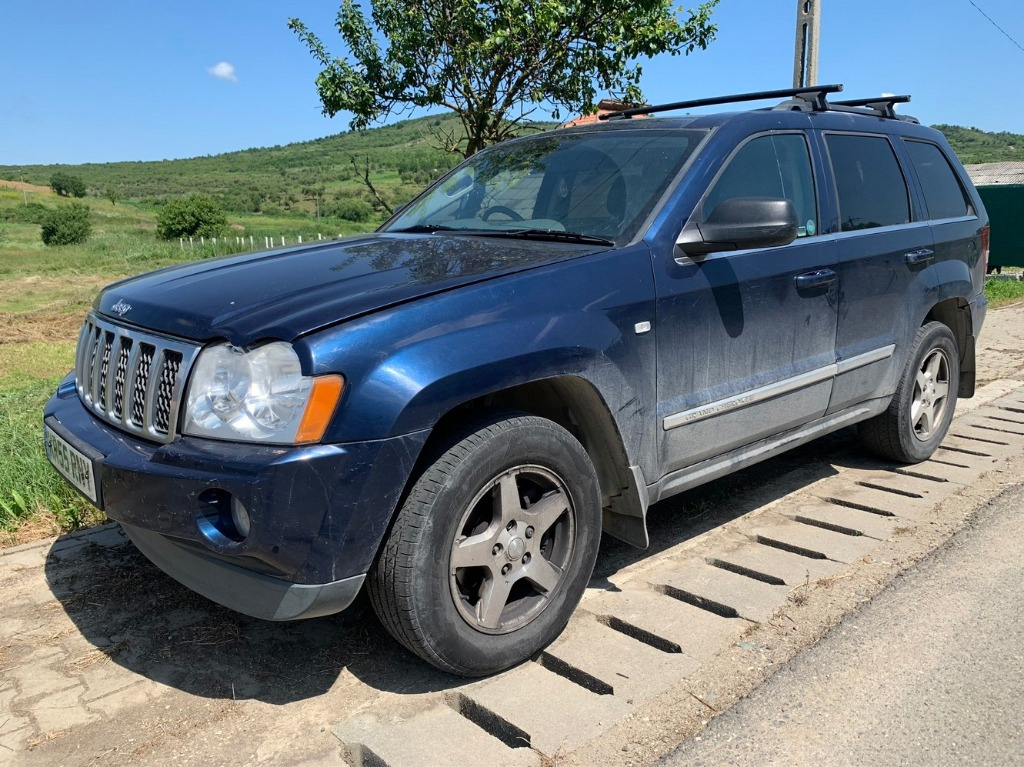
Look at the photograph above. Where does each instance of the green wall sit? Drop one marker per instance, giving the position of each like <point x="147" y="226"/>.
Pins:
<point x="1005" y="206"/>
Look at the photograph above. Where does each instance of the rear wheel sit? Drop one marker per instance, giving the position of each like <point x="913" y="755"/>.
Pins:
<point x="493" y="547"/>
<point x="918" y="417"/>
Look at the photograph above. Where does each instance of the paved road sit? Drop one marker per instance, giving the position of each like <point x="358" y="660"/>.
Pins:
<point x="931" y="672"/>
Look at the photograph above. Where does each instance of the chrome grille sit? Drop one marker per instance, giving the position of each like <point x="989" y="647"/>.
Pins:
<point x="132" y="379"/>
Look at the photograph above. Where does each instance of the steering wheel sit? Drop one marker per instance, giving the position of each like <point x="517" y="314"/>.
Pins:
<point x="503" y="210"/>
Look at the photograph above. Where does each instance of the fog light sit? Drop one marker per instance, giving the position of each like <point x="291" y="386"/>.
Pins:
<point x="239" y="517"/>
<point x="221" y="517"/>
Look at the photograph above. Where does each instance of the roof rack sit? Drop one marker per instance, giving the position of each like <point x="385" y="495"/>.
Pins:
<point x="812" y="95"/>
<point x="883" y="106"/>
<point x="811" y="98"/>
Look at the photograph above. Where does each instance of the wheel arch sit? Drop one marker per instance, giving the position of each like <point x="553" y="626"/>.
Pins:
<point x="576" y="405"/>
<point x="955" y="313"/>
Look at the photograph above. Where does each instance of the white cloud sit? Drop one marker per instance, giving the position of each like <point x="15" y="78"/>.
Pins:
<point x="224" y="71"/>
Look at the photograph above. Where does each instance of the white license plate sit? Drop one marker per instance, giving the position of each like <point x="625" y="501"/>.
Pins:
<point x="72" y="464"/>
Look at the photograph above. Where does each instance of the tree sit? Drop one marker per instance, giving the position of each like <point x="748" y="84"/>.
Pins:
<point x="67" y="224"/>
<point x="315" y="194"/>
<point x="493" y="62"/>
<point x="112" y="195"/>
<point x="67" y="185"/>
<point x="194" y="215"/>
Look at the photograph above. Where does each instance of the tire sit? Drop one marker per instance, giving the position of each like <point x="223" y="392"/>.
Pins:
<point x="492" y="549"/>
<point x="919" y="414"/>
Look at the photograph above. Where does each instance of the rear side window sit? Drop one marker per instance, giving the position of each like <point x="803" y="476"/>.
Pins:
<point x="776" y="166"/>
<point x="942" y="191"/>
<point x="872" y="190"/>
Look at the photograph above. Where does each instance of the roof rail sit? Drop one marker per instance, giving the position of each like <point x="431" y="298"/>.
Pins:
<point x="812" y="95"/>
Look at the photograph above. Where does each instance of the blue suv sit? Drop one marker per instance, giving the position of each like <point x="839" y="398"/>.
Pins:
<point x="562" y="331"/>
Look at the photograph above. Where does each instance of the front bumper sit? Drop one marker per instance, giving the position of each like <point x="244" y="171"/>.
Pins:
<point x="317" y="513"/>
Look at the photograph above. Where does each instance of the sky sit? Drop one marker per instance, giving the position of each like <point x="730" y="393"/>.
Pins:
<point x="137" y="80"/>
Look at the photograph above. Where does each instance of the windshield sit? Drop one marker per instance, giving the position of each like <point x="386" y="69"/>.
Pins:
<point x="600" y="185"/>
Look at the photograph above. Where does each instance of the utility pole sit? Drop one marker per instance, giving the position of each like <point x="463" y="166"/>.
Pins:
<point x="805" y="57"/>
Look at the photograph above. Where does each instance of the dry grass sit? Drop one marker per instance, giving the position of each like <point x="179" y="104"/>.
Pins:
<point x="39" y="526"/>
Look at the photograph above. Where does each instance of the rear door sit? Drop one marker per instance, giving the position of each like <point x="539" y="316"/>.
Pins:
<point x="884" y="248"/>
<point x="746" y="339"/>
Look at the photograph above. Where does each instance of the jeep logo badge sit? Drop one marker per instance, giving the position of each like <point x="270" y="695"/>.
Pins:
<point x="121" y="308"/>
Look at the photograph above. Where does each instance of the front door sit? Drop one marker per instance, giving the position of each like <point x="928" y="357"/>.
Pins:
<point x="746" y="339"/>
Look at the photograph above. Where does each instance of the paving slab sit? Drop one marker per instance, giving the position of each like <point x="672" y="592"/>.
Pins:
<point x="794" y="536"/>
<point x="433" y="737"/>
<point x="621" y="665"/>
<point x="871" y="497"/>
<point x="36" y="679"/>
<point x="971" y="441"/>
<point x="697" y="633"/>
<point x="985" y="427"/>
<point x="556" y="714"/>
<point x="61" y="711"/>
<point x="791" y="569"/>
<point x="847" y="520"/>
<point x="949" y="466"/>
<point x="713" y="589"/>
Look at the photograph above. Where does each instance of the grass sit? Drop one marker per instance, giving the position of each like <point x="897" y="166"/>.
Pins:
<point x="1003" y="292"/>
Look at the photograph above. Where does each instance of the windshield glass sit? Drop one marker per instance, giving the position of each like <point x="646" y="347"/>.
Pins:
<point x="594" y="184"/>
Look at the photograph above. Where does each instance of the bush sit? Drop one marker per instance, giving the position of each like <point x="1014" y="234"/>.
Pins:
<point x="352" y="209"/>
<point x="67" y="185"/>
<point x="30" y="213"/>
<point x="195" y="215"/>
<point x="67" y="225"/>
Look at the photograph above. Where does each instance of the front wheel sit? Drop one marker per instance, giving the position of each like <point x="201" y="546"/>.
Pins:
<point x="492" y="549"/>
<point x="918" y="417"/>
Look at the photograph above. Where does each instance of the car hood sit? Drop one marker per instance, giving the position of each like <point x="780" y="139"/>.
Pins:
<point x="283" y="294"/>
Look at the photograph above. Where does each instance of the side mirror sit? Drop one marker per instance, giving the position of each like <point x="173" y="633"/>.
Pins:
<point x="741" y="223"/>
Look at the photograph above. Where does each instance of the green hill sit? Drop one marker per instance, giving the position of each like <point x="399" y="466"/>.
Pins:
<point x="403" y="157"/>
<point x="974" y="145"/>
<point x="282" y="180"/>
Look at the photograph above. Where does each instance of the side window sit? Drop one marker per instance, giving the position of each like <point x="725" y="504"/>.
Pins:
<point x="871" y="187"/>
<point x="770" y="166"/>
<point x="942" y="191"/>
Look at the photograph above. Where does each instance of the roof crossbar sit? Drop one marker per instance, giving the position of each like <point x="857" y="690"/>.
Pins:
<point x="813" y="95"/>
<point x="883" y="106"/>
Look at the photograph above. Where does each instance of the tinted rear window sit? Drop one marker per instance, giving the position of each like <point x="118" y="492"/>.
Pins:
<point x="942" y="191"/>
<point x="871" y="187"/>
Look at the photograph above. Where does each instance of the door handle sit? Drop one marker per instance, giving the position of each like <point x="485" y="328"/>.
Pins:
<point x="818" y="279"/>
<point x="919" y="257"/>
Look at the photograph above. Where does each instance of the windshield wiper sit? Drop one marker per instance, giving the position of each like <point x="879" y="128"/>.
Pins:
<point x="553" y="235"/>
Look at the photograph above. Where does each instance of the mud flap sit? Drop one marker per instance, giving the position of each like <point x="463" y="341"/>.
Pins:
<point x="625" y="518"/>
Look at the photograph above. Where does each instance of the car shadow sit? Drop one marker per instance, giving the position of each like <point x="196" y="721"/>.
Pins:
<point x="148" y="623"/>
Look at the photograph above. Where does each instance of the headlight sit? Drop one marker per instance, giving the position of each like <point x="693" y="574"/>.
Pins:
<point x="258" y="396"/>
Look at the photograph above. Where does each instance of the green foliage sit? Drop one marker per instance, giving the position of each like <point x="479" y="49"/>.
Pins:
<point x="67" y="185"/>
<point x="30" y="213"/>
<point x="112" y="194"/>
<point x="1001" y="292"/>
<point x="351" y="209"/>
<point x="28" y="484"/>
<point x="195" y="215"/>
<point x="262" y="180"/>
<point x="973" y="145"/>
<point x="492" y="62"/>
<point x="67" y="224"/>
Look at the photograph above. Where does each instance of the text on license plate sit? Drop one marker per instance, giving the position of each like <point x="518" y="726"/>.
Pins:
<point x="71" y="463"/>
